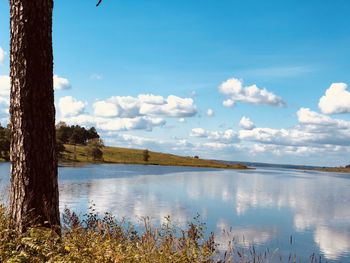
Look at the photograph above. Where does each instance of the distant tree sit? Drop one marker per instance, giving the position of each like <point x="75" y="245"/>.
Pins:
<point x="78" y="136"/>
<point x="5" y="142"/>
<point x="94" y="149"/>
<point x="60" y="149"/>
<point x="145" y="155"/>
<point x="196" y="157"/>
<point x="63" y="132"/>
<point x="92" y="134"/>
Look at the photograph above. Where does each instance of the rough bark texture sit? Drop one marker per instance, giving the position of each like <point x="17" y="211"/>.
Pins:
<point x="34" y="187"/>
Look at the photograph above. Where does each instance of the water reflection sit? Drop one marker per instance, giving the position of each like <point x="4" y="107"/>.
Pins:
<point x="246" y="236"/>
<point x="264" y="207"/>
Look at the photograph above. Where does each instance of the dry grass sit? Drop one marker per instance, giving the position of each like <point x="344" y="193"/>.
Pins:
<point x="135" y="156"/>
<point x="105" y="239"/>
<point x="334" y="169"/>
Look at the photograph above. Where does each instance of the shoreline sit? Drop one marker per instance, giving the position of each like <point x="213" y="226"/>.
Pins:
<point x="77" y="155"/>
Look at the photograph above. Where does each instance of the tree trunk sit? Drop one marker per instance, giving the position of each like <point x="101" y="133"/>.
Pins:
<point x="34" y="187"/>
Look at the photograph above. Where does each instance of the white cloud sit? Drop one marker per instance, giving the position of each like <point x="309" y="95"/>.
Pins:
<point x="228" y="103"/>
<point x="198" y="132"/>
<point x="147" y="105"/>
<point x="5" y="85"/>
<point x="246" y="123"/>
<point x="151" y="99"/>
<point x="221" y="136"/>
<point x="70" y="107"/>
<point x="314" y="130"/>
<point x="128" y="107"/>
<point x="123" y="124"/>
<point x="210" y="112"/>
<point x="2" y="55"/>
<point x="121" y="113"/>
<point x="336" y="99"/>
<point x="115" y="124"/>
<point x="182" y="120"/>
<point x="235" y="92"/>
<point x="309" y="117"/>
<point x="105" y="109"/>
<point x="173" y="107"/>
<point x="60" y="83"/>
<point x="132" y="140"/>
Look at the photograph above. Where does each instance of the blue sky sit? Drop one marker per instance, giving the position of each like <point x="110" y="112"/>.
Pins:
<point x="293" y="51"/>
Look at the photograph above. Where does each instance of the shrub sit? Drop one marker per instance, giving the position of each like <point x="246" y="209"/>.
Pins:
<point x="145" y="155"/>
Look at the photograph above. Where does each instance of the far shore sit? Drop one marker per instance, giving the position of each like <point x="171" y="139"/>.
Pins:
<point x="333" y="169"/>
<point x="77" y="155"/>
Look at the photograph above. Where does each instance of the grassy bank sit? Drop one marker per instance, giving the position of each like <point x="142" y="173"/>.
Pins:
<point x="135" y="156"/>
<point x="334" y="169"/>
<point x="104" y="239"/>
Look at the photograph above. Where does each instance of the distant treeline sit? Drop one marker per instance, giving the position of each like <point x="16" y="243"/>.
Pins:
<point x="74" y="134"/>
<point x="5" y="142"/>
<point x="65" y="134"/>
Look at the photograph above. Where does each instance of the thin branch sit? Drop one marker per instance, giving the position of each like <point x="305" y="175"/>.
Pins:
<point x="98" y="3"/>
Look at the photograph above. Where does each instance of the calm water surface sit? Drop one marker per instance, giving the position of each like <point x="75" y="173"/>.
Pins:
<point x="264" y="207"/>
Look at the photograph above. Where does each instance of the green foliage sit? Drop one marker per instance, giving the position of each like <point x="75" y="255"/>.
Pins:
<point x="74" y="134"/>
<point x="5" y="142"/>
<point x="94" y="147"/>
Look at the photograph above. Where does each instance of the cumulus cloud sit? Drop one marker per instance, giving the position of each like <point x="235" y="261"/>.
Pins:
<point x="314" y="129"/>
<point x="234" y="90"/>
<point x="222" y="136"/>
<point x="5" y="85"/>
<point x="105" y="109"/>
<point x="121" y="113"/>
<point x="228" y="103"/>
<point x="123" y="124"/>
<point x="246" y="124"/>
<point x="70" y="107"/>
<point x="60" y="83"/>
<point x="336" y="99"/>
<point x="115" y="114"/>
<point x="210" y="112"/>
<point x="2" y="55"/>
<point x="173" y="107"/>
<point x="146" y="105"/>
<point x="314" y="119"/>
<point x="115" y="124"/>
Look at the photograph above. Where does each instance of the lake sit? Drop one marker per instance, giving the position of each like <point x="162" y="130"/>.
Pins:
<point x="284" y="210"/>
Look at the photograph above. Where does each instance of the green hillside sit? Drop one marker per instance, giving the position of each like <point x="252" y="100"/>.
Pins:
<point x="79" y="153"/>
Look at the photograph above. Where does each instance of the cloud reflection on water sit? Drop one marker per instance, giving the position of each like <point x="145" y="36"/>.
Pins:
<point x="317" y="202"/>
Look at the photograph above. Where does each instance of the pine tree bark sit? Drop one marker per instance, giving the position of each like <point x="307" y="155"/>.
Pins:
<point x="34" y="187"/>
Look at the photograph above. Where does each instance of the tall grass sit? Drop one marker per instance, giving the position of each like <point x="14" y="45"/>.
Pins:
<point x="105" y="239"/>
